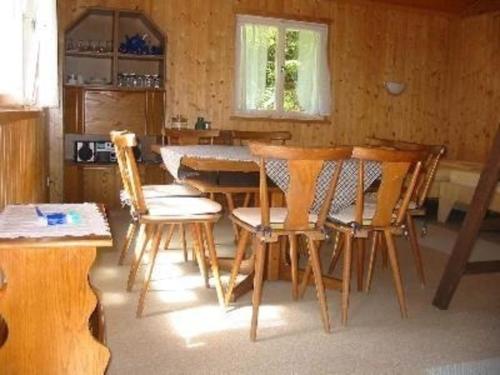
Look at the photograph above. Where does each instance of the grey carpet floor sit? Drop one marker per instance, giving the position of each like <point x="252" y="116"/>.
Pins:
<point x="183" y="330"/>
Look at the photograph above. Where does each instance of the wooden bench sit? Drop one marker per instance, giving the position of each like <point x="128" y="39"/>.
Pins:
<point x="454" y="186"/>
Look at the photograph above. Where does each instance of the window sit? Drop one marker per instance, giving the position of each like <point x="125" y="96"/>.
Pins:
<point x="281" y="68"/>
<point x="28" y="67"/>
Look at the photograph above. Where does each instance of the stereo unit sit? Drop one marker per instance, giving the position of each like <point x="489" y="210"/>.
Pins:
<point x="84" y="152"/>
<point x="100" y="152"/>
<point x="105" y="152"/>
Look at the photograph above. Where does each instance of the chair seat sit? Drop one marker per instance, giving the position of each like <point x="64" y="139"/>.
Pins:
<point x="163" y="191"/>
<point x="372" y="198"/>
<point x="348" y="215"/>
<point x="252" y="216"/>
<point x="182" y="206"/>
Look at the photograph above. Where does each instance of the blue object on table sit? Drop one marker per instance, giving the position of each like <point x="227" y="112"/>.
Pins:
<point x="52" y="218"/>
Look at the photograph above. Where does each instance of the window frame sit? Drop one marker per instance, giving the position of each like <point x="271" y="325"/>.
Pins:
<point x="281" y="23"/>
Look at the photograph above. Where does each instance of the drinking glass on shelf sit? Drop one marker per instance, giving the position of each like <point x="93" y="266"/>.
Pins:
<point x="140" y="81"/>
<point x="109" y="46"/>
<point x="93" y="46"/>
<point x="156" y="81"/>
<point x="82" y="45"/>
<point x="133" y="80"/>
<point x="148" y="82"/>
<point x="70" y="45"/>
<point x="102" y="46"/>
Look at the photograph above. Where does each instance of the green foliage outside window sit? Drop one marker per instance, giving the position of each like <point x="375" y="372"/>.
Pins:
<point x="290" y="100"/>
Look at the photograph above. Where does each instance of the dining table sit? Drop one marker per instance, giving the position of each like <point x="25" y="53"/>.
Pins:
<point x="224" y="158"/>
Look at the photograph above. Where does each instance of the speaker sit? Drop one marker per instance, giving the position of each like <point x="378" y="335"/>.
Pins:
<point x="84" y="152"/>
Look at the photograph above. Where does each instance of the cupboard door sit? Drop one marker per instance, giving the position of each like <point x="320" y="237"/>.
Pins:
<point x="111" y="110"/>
<point x="155" y="112"/>
<point x="73" y="178"/>
<point x="101" y="185"/>
<point x="73" y="110"/>
<point x="154" y="174"/>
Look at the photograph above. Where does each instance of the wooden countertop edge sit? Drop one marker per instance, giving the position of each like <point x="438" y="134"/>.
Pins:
<point x="85" y="241"/>
<point x="8" y="115"/>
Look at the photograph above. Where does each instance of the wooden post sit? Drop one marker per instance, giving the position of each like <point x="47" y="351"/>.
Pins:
<point x="459" y="264"/>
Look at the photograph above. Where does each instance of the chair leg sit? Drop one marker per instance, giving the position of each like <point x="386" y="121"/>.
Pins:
<point x="346" y="276"/>
<point x="240" y="253"/>
<point x="393" y="259"/>
<point x="412" y="235"/>
<point x="318" y="280"/>
<point x="246" y="201"/>
<point x="129" y="237"/>
<point x="213" y="262"/>
<point x="140" y="247"/>
<point x="383" y="250"/>
<point x="260" y="256"/>
<point x="230" y="207"/>
<point x="305" y="279"/>
<point x="360" y="262"/>
<point x="182" y="231"/>
<point x="337" y="250"/>
<point x="371" y="262"/>
<point x="147" y="278"/>
<point x="199" y="249"/>
<point x="295" y="266"/>
<point x="165" y="239"/>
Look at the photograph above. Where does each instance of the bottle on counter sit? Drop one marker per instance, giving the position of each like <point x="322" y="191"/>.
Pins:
<point x="200" y="124"/>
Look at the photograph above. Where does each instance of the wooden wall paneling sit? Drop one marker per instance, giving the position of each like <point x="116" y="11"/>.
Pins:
<point x="474" y="86"/>
<point x="155" y="111"/>
<point x="23" y="158"/>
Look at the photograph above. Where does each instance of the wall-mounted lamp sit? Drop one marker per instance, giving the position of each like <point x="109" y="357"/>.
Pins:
<point x="394" y="88"/>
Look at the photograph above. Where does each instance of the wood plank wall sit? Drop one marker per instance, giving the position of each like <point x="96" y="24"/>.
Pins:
<point x="23" y="162"/>
<point x="475" y="87"/>
<point x="371" y="43"/>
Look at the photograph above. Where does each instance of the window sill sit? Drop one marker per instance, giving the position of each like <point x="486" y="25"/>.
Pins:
<point x="322" y="120"/>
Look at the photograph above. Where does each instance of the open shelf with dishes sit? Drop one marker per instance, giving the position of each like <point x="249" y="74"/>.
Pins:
<point x="114" y="48"/>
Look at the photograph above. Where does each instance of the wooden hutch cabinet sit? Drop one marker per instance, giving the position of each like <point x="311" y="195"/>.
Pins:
<point x="114" y="69"/>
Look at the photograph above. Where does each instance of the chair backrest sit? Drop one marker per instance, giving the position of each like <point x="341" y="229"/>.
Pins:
<point x="304" y="167"/>
<point x="124" y="143"/>
<point x="400" y="172"/>
<point x="429" y="167"/>
<point x="276" y="137"/>
<point x="190" y="136"/>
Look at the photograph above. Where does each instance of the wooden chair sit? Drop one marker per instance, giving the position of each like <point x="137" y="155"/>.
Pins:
<point x="416" y="207"/>
<point x="190" y="136"/>
<point x="271" y="224"/>
<point x="155" y="215"/>
<point x="240" y="137"/>
<point x="151" y="192"/>
<point x="382" y="218"/>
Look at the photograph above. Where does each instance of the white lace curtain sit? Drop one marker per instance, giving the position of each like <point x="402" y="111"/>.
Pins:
<point x="28" y="67"/>
<point x="253" y="38"/>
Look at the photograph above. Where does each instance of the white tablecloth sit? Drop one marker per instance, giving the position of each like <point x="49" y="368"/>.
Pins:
<point x="277" y="170"/>
<point x="22" y="221"/>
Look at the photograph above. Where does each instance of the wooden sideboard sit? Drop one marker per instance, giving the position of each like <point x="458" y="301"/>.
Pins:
<point x="23" y="157"/>
<point x="100" y="110"/>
